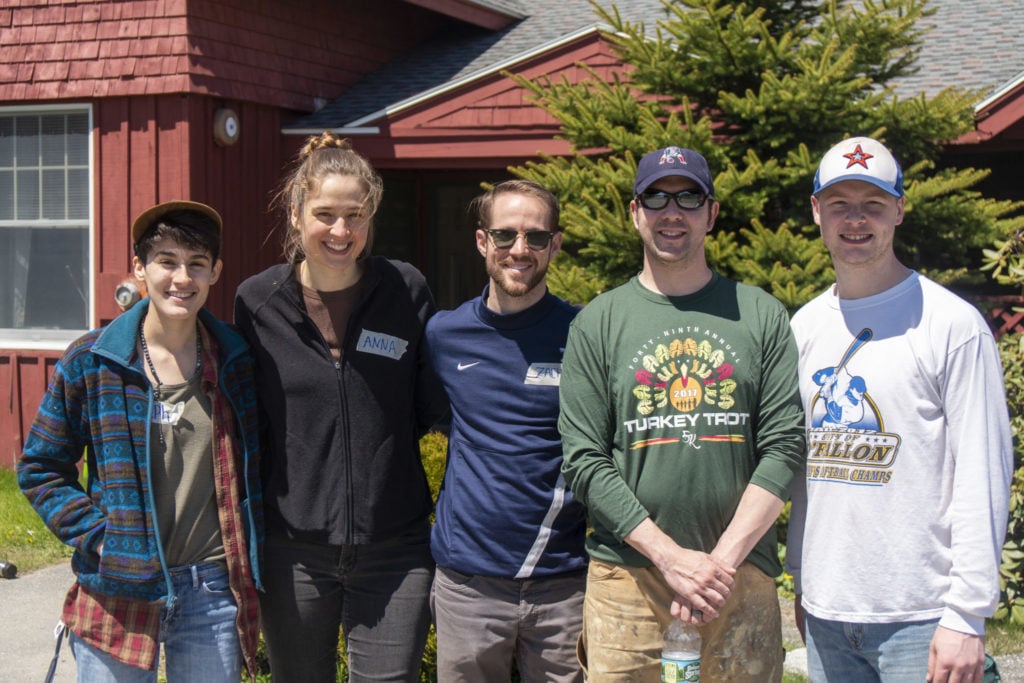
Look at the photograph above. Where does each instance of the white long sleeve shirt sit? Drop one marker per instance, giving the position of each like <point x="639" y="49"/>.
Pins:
<point x="902" y="514"/>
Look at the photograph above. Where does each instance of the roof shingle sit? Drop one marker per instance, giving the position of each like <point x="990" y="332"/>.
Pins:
<point x="978" y="45"/>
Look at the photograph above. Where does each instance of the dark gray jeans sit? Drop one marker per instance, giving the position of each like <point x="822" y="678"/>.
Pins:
<point x="378" y="594"/>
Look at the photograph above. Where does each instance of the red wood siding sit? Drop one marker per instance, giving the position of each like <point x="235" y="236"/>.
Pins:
<point x="489" y="123"/>
<point x="151" y="149"/>
<point x="23" y="376"/>
<point x="239" y="182"/>
<point x="277" y="52"/>
<point x="291" y="53"/>
<point x="1000" y="124"/>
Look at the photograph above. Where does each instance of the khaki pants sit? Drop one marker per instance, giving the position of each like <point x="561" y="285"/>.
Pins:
<point x="626" y="613"/>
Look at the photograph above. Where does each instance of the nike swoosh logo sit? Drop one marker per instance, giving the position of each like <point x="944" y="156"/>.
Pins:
<point x="466" y="366"/>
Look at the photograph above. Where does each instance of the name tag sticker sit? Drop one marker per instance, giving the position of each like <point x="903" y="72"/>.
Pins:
<point x="167" y="413"/>
<point x="381" y="344"/>
<point x="544" y="374"/>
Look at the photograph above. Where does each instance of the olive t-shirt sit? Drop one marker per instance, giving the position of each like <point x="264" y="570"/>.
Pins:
<point x="183" y="478"/>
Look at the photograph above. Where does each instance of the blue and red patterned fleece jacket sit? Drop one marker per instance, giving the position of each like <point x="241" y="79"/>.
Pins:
<point x="96" y="406"/>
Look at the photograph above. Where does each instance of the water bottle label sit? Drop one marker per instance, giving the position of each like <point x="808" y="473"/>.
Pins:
<point x="680" y="670"/>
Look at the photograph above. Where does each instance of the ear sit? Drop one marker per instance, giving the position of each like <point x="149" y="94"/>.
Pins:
<point x="556" y="245"/>
<point x="715" y="207"/>
<point x="481" y="242"/>
<point x="816" y="210"/>
<point x="633" y="208"/>
<point x="139" y="269"/>
<point x="901" y="204"/>
<point x="215" y="271"/>
<point x="293" y="216"/>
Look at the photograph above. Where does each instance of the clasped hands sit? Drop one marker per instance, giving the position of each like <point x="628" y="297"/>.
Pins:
<point x="701" y="582"/>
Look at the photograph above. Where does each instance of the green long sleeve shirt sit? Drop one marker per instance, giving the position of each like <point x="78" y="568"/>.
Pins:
<point x="671" y="406"/>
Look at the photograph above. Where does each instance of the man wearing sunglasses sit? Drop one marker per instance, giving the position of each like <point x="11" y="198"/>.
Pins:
<point x="682" y="429"/>
<point x="509" y="536"/>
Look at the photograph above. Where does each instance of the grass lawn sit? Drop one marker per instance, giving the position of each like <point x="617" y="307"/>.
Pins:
<point x="1003" y="638"/>
<point x="24" y="539"/>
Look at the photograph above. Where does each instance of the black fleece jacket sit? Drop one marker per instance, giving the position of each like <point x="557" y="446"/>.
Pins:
<point x="341" y="463"/>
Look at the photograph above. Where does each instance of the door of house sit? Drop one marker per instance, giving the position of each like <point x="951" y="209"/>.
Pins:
<point x="424" y="219"/>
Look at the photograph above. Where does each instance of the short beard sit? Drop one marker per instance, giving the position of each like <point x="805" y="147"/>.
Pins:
<point x="514" y="289"/>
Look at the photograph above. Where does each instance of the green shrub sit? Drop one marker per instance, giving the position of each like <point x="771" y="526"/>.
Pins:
<point x="434" y="451"/>
<point x="1011" y="579"/>
<point x="784" y="581"/>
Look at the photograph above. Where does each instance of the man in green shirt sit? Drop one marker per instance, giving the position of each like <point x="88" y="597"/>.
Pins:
<point x="682" y="429"/>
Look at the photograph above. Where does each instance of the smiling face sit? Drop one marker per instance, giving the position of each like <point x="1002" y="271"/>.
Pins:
<point x="334" y="228"/>
<point x="517" y="273"/>
<point x="858" y="223"/>
<point x="673" y="238"/>
<point x="177" y="278"/>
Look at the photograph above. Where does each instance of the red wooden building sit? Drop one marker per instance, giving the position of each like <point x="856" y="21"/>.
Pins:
<point x="108" y="106"/>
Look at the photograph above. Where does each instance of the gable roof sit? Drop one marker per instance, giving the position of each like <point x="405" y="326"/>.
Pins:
<point x="977" y="45"/>
<point x="461" y="56"/>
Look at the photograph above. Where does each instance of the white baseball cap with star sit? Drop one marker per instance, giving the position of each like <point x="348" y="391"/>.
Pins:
<point x="860" y="159"/>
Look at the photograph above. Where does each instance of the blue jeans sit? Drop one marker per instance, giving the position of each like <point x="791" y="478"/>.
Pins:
<point x="843" y="652"/>
<point x="199" y="636"/>
<point x="378" y="594"/>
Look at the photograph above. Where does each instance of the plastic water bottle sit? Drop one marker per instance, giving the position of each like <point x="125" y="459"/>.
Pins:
<point x="680" y="656"/>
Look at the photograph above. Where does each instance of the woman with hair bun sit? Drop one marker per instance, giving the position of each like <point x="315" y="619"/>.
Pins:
<point x="346" y="391"/>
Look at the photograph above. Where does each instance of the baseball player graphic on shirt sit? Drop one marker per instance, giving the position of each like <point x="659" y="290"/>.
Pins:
<point x="843" y="394"/>
<point x="842" y="401"/>
<point x="847" y="441"/>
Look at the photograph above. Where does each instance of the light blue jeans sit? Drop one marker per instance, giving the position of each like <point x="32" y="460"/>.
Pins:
<point x="842" y="652"/>
<point x="199" y="636"/>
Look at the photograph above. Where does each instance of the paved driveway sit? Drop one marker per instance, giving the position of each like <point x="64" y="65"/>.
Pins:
<point x="30" y="607"/>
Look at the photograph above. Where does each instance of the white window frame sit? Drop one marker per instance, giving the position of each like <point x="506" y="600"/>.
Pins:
<point x="51" y="339"/>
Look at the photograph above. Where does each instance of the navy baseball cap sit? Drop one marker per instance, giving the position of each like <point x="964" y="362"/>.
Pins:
<point x="860" y="159"/>
<point x="673" y="161"/>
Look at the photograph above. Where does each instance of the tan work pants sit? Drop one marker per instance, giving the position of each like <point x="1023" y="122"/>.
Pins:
<point x="626" y="613"/>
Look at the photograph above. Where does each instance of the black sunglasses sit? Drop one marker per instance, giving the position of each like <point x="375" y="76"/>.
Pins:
<point x="535" y="239"/>
<point x="685" y="199"/>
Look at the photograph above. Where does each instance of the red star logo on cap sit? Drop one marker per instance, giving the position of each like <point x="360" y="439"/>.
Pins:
<point x="858" y="157"/>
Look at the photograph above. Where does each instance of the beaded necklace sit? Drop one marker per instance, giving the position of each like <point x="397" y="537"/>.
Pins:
<point x="152" y="368"/>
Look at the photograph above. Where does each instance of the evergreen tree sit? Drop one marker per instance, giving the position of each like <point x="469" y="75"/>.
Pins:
<point x="762" y="91"/>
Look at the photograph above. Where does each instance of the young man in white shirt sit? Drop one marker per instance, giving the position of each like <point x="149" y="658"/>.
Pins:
<point x="896" y="530"/>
